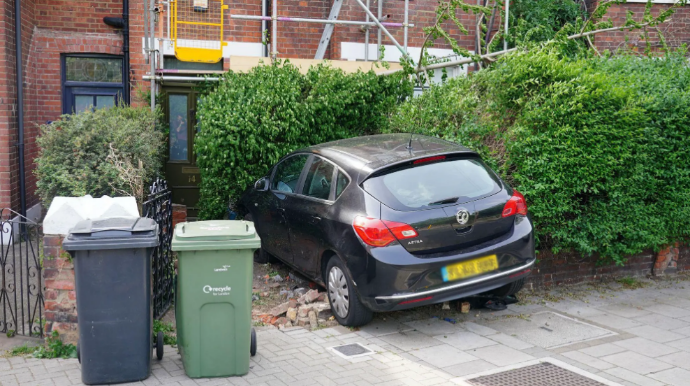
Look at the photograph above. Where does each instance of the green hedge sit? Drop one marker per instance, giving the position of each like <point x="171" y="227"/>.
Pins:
<point x="599" y="147"/>
<point x="114" y="151"/>
<point x="248" y="121"/>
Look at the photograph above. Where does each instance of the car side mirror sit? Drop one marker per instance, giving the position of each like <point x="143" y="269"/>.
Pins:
<point x="261" y="184"/>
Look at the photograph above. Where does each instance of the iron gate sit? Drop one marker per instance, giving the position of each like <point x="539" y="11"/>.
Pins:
<point x="158" y="206"/>
<point x="21" y="284"/>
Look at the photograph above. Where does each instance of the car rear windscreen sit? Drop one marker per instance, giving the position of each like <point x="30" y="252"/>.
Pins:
<point x="434" y="184"/>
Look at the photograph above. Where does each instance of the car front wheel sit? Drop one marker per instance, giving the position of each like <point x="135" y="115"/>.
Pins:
<point x="345" y="304"/>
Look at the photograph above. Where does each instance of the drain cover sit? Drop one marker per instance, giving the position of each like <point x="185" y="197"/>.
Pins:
<point x="542" y="374"/>
<point x="351" y="350"/>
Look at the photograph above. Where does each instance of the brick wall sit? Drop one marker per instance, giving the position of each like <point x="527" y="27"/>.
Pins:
<point x="60" y="296"/>
<point x="570" y="268"/>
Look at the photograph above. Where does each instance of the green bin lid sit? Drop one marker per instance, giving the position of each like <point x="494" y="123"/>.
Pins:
<point x="215" y="234"/>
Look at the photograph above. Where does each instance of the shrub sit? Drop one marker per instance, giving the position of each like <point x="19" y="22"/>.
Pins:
<point x="597" y="146"/>
<point x="248" y="121"/>
<point x="113" y="151"/>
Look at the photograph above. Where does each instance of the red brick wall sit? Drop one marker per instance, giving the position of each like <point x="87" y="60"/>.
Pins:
<point x="9" y="163"/>
<point x="60" y="296"/>
<point x="571" y="268"/>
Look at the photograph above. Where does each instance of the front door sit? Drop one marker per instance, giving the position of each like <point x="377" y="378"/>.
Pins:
<point x="181" y="170"/>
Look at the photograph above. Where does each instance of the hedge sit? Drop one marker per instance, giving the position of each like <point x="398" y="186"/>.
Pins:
<point x="247" y="122"/>
<point x="598" y="146"/>
<point x="113" y="151"/>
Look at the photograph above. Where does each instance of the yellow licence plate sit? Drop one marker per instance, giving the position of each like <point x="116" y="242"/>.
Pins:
<point x="469" y="268"/>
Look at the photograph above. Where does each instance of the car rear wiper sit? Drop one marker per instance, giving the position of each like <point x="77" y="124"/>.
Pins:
<point x="448" y="200"/>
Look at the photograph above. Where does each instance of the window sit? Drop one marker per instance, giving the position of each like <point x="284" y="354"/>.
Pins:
<point x="91" y="81"/>
<point x="341" y="183"/>
<point x="179" y="141"/>
<point x="319" y="179"/>
<point x="287" y="173"/>
<point x="427" y="185"/>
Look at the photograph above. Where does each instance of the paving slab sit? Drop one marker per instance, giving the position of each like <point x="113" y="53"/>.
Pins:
<point x="465" y="340"/>
<point x="646" y="347"/>
<point x="443" y="355"/>
<point x="501" y="355"/>
<point x="636" y="362"/>
<point x="674" y="377"/>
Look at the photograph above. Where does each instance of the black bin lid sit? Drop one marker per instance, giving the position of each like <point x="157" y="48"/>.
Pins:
<point x="112" y="233"/>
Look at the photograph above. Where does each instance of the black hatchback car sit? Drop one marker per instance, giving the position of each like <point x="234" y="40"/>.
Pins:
<point x="394" y="221"/>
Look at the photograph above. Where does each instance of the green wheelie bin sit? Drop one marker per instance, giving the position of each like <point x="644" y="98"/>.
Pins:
<point x="214" y="296"/>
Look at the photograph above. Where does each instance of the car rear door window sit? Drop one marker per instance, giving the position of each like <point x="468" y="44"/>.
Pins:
<point x="341" y="183"/>
<point x="287" y="173"/>
<point x="434" y="184"/>
<point x="319" y="179"/>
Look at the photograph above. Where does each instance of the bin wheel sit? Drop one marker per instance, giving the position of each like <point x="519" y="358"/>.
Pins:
<point x="252" y="347"/>
<point x="159" y="345"/>
<point x="78" y="353"/>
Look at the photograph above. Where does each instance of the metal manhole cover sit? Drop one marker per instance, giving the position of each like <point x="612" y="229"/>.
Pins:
<point x="351" y="350"/>
<point x="541" y="374"/>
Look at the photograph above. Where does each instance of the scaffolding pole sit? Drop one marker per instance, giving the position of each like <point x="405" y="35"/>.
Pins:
<point x="320" y="21"/>
<point x="382" y="28"/>
<point x="366" y="36"/>
<point x="505" y="36"/>
<point x="405" y="25"/>
<point x="379" y="4"/>
<point x="274" y="30"/>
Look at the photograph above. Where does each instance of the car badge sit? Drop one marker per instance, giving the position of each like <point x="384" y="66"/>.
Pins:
<point x="463" y="216"/>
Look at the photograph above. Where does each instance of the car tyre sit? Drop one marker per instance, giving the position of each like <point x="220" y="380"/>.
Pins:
<point x="509" y="289"/>
<point x="347" y="309"/>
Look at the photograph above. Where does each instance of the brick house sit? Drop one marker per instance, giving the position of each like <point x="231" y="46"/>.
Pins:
<point x="71" y="59"/>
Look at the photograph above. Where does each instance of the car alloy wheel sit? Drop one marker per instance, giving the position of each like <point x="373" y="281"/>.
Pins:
<point x="338" y="292"/>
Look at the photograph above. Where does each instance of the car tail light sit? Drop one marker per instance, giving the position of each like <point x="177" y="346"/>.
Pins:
<point x="401" y="231"/>
<point x="429" y="159"/>
<point x="516" y="205"/>
<point x="379" y="233"/>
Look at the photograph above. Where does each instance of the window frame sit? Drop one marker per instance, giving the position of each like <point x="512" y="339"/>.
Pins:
<point x="88" y="88"/>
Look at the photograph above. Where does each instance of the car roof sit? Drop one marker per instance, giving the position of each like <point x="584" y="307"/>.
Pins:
<point x="365" y="155"/>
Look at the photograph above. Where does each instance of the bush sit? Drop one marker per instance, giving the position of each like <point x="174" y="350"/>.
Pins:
<point x="539" y="20"/>
<point x="248" y="121"/>
<point x="114" y="151"/>
<point x="597" y="146"/>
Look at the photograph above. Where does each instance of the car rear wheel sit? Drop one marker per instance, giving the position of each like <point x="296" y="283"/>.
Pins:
<point x="345" y="304"/>
<point x="509" y="289"/>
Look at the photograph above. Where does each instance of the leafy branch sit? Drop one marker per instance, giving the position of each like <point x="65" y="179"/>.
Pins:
<point x="595" y="24"/>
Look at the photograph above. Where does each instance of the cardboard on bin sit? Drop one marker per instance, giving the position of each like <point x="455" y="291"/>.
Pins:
<point x="112" y="233"/>
<point x="215" y="234"/>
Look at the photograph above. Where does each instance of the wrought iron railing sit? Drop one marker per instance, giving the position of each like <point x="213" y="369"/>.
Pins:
<point x="21" y="284"/>
<point x="158" y="206"/>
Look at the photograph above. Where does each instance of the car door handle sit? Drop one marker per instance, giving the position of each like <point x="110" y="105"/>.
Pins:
<point x="315" y="219"/>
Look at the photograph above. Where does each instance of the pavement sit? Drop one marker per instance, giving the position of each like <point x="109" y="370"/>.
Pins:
<point x="608" y="333"/>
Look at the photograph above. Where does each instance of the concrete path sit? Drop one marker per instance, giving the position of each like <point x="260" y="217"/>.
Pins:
<point x="608" y="333"/>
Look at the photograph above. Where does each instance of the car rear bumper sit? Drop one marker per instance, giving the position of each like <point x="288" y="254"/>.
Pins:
<point x="396" y="280"/>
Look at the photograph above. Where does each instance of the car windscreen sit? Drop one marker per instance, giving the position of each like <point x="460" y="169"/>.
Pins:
<point x="427" y="185"/>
